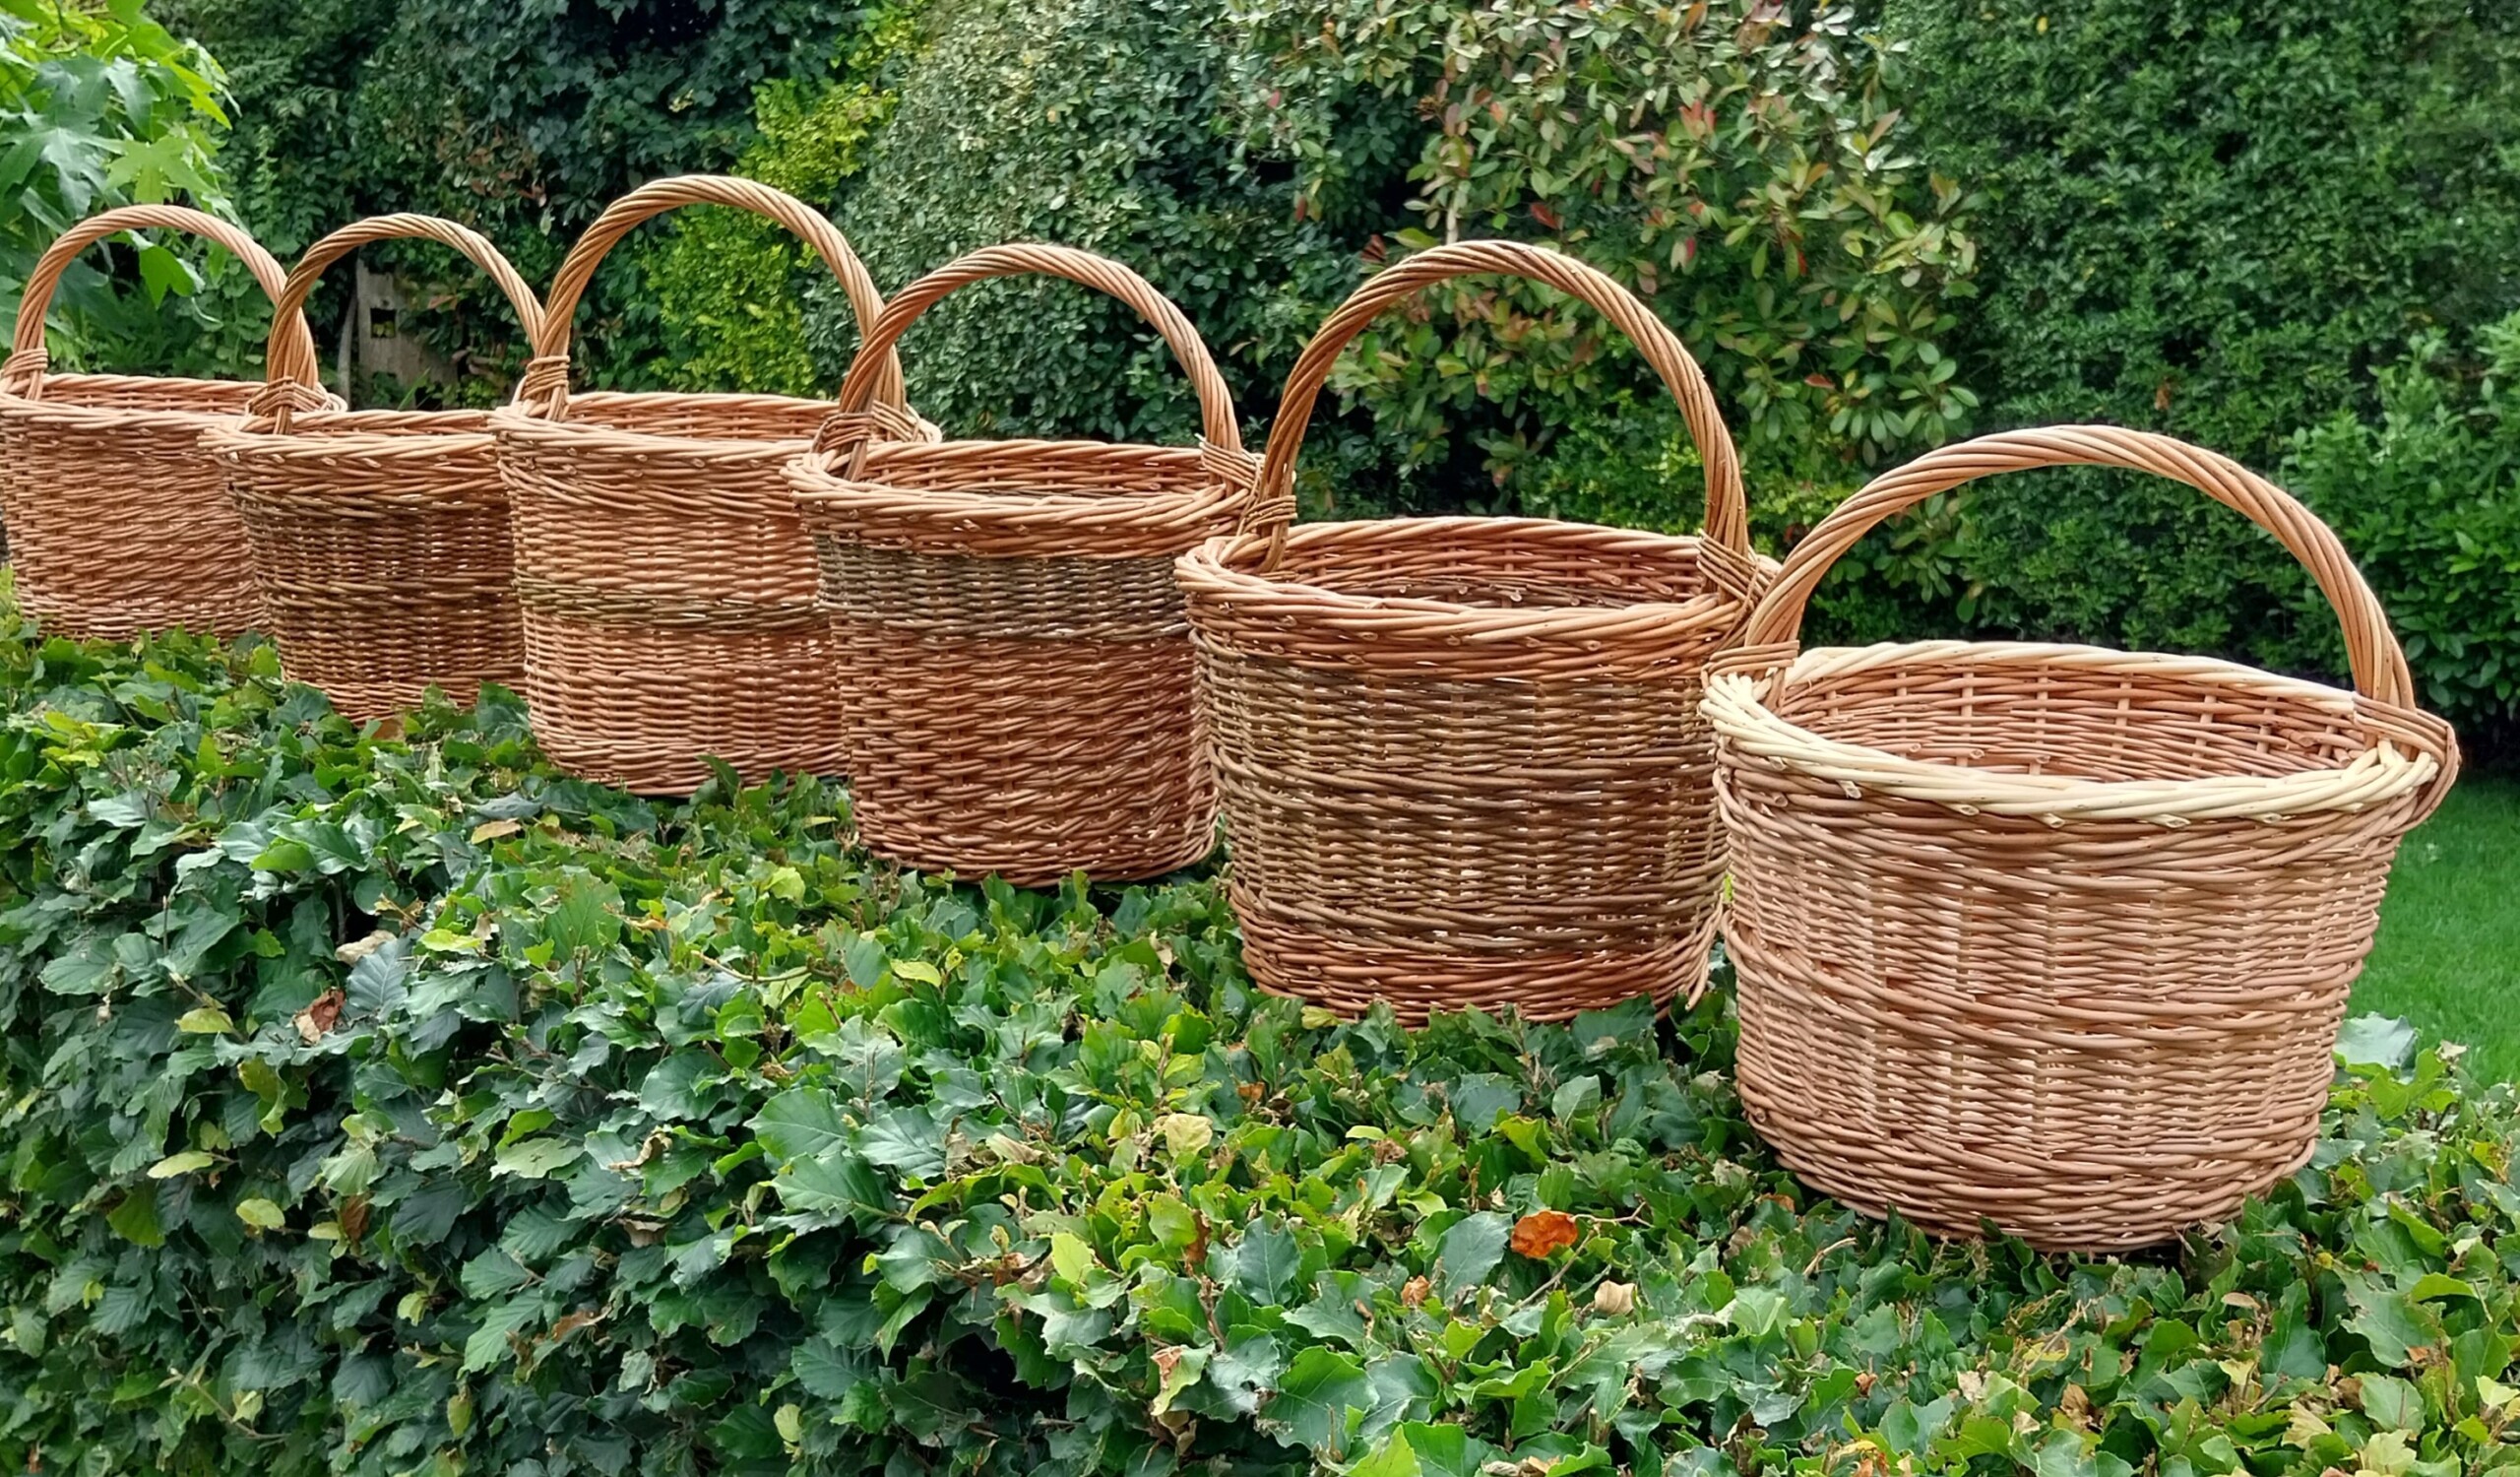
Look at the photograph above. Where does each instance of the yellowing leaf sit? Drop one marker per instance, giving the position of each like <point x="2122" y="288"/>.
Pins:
<point x="206" y="1020"/>
<point x="492" y="830"/>
<point x="261" y="1214"/>
<point x="180" y="1164"/>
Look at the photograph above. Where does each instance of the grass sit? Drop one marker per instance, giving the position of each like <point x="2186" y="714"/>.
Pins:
<point x="2448" y="957"/>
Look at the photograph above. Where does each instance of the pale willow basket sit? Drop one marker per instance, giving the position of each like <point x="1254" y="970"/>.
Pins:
<point x="1016" y="662"/>
<point x="667" y="580"/>
<point x="118" y="521"/>
<point x="1460" y="759"/>
<point x="2053" y="938"/>
<point x="380" y="538"/>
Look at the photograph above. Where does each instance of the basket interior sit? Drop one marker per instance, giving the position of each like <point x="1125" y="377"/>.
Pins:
<point x="1492" y="563"/>
<point x="2111" y="723"/>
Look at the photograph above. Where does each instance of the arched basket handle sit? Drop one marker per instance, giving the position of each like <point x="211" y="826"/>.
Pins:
<point x="859" y="391"/>
<point x="545" y="388"/>
<point x="2380" y="667"/>
<point x="293" y="347"/>
<point x="281" y="394"/>
<point x="1727" y="513"/>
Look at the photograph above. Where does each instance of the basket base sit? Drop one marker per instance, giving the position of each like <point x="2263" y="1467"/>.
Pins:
<point x="1349" y="975"/>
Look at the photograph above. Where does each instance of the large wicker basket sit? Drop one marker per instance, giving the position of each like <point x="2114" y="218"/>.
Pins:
<point x="380" y="538"/>
<point x="119" y="522"/>
<point x="1012" y="641"/>
<point x="1460" y="759"/>
<point x="2051" y="936"/>
<point x="667" y="580"/>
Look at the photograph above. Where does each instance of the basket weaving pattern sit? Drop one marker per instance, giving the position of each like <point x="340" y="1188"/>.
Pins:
<point x="1011" y="603"/>
<point x="1460" y="759"/>
<point x="666" y="580"/>
<point x="86" y="455"/>
<point x="380" y="538"/>
<point x="2052" y="936"/>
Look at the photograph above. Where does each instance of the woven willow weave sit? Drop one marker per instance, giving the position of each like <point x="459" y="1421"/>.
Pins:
<point x="1460" y="759"/>
<point x="2052" y="936"/>
<point x="118" y="521"/>
<point x="380" y="538"/>
<point x="667" y="582"/>
<point x="1017" y="672"/>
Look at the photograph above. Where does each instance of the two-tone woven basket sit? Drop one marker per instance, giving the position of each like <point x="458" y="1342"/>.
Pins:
<point x="2052" y="936"/>
<point x="118" y="519"/>
<point x="667" y="580"/>
<point x="1460" y="759"/>
<point x="380" y="538"/>
<point x="1017" y="668"/>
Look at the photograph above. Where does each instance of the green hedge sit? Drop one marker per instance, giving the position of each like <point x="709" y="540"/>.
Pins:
<point x="395" y="1105"/>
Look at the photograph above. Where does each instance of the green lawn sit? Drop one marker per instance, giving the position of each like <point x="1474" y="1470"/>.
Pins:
<point x="2448" y="957"/>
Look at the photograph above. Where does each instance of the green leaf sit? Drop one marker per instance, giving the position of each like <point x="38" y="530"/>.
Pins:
<point x="1469" y="1251"/>
<point x="2392" y="1403"/>
<point x="1315" y="1398"/>
<point x="489" y="1342"/>
<point x="184" y="1163"/>
<point x="261" y="1214"/>
<point x="801" y="1123"/>
<point x="538" y="1158"/>
<point x="1266" y="1263"/>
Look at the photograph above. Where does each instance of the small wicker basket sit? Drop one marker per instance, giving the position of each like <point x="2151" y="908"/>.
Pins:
<point x="667" y="580"/>
<point x="380" y="538"/>
<point x="119" y="522"/>
<point x="1460" y="759"/>
<point x="1017" y="666"/>
<point x="2051" y="936"/>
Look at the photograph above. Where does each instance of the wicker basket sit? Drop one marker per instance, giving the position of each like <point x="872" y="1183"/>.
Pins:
<point x="117" y="520"/>
<point x="2051" y="936"/>
<point x="1008" y="613"/>
<point x="667" y="580"/>
<point x="1460" y="758"/>
<point x="380" y="538"/>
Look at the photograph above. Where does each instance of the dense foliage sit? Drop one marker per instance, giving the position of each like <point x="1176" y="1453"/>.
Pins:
<point x="2218" y="220"/>
<point x="389" y="1104"/>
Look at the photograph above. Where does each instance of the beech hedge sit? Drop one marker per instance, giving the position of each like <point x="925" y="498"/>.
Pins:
<point x="388" y="1103"/>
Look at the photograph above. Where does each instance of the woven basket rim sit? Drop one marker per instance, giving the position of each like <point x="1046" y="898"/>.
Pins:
<point x="167" y="417"/>
<point x="335" y="432"/>
<point x="1199" y="507"/>
<point x="514" y="419"/>
<point x="1230" y="568"/>
<point x="1757" y="734"/>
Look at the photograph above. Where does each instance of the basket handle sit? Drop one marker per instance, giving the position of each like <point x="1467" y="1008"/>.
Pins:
<point x="2380" y="665"/>
<point x="281" y="394"/>
<point x="1728" y="522"/>
<point x="27" y="358"/>
<point x="858" y="389"/>
<point x="544" y="390"/>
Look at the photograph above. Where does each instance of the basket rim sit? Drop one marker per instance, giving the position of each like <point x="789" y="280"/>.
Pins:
<point x="1228" y="568"/>
<point x="518" y="419"/>
<point x="169" y="418"/>
<point x="1749" y="732"/>
<point x="1203" y="505"/>
<point x="335" y="432"/>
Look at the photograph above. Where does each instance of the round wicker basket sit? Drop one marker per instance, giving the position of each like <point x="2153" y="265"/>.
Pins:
<point x="118" y="519"/>
<point x="1010" y="635"/>
<point x="380" y="538"/>
<point x="667" y="580"/>
<point x="1460" y="759"/>
<point x="2054" y="938"/>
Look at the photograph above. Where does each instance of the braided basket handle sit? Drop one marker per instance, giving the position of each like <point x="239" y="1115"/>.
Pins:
<point x="2379" y="664"/>
<point x="1218" y="426"/>
<point x="22" y="375"/>
<point x="545" y="388"/>
<point x="1728" y="521"/>
<point x="282" y="393"/>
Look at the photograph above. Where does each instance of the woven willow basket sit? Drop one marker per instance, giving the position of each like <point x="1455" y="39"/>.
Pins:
<point x="1019" y="670"/>
<point x="667" y="580"/>
<point x="380" y="538"/>
<point x="119" y="522"/>
<point x="2050" y="936"/>
<point x="1460" y="759"/>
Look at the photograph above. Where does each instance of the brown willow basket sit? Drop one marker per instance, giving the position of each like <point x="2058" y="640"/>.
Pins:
<point x="1460" y="759"/>
<point x="380" y="538"/>
<point x="119" y="522"/>
<point x="2051" y="936"/>
<point x="667" y="580"/>
<point x="1017" y="666"/>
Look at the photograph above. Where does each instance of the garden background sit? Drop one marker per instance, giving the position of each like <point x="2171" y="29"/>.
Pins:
<point x="2292" y="234"/>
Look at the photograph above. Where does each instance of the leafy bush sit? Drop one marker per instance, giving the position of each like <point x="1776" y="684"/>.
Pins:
<point x="102" y="106"/>
<point x="2212" y="219"/>
<point x="394" y="1104"/>
<point x="2429" y="498"/>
